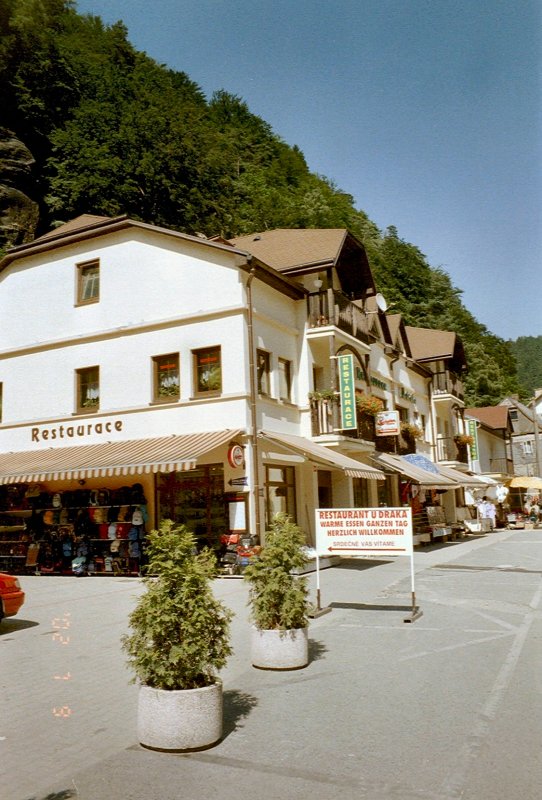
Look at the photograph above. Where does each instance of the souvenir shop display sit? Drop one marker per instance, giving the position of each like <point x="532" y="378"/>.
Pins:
<point x="81" y="532"/>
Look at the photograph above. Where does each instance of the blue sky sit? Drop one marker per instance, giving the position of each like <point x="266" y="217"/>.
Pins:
<point x="428" y="112"/>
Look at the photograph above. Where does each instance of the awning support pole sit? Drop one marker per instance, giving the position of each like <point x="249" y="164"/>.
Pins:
<point x="318" y="611"/>
<point x="416" y="613"/>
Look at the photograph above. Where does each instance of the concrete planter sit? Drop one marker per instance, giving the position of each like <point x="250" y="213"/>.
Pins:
<point x="273" y="649"/>
<point x="185" y="719"/>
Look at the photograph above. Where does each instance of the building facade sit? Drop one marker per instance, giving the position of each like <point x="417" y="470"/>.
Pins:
<point x="147" y="374"/>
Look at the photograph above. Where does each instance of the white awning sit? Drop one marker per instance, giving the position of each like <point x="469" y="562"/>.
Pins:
<point x="466" y="478"/>
<point x="323" y="456"/>
<point x="414" y="473"/>
<point x="109" y="459"/>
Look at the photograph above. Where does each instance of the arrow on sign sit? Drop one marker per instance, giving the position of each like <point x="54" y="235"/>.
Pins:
<point x="239" y="481"/>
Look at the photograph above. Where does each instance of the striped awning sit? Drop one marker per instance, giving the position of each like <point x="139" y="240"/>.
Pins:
<point x="467" y="478"/>
<point x="323" y="456"/>
<point x="111" y="459"/>
<point x="414" y="473"/>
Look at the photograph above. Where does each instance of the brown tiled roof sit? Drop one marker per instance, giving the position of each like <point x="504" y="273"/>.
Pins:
<point x="427" y="344"/>
<point x="88" y="226"/>
<point x="299" y="247"/>
<point x="491" y="416"/>
<point x="394" y="324"/>
<point x="77" y="224"/>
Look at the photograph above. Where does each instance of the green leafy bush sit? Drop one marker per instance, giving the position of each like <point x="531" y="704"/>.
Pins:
<point x="278" y="598"/>
<point x="180" y="631"/>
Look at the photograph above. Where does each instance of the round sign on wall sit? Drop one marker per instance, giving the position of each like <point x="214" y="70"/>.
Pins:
<point x="236" y="456"/>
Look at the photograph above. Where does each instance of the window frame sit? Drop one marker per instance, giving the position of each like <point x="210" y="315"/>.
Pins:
<point x="264" y="357"/>
<point x="285" y="378"/>
<point x="173" y="397"/>
<point x="284" y="486"/>
<point x="80" y="283"/>
<point x="196" y="354"/>
<point x="81" y="408"/>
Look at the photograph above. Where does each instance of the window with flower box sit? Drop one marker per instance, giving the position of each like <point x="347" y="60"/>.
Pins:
<point x="88" y="389"/>
<point x="207" y="371"/>
<point x="166" y="382"/>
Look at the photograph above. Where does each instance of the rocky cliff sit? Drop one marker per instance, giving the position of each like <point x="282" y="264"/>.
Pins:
<point x="18" y="212"/>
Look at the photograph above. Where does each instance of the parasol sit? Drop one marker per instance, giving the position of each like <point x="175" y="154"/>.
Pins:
<point x="525" y="482"/>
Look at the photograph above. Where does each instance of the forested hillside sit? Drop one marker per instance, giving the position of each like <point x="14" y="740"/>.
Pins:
<point x="91" y="125"/>
<point x="527" y="351"/>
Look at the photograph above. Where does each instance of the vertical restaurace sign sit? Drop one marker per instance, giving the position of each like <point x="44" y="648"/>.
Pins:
<point x="347" y="393"/>
<point x="472" y="430"/>
<point x="364" y="531"/>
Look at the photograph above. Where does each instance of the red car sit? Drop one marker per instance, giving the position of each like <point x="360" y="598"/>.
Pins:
<point x="11" y="595"/>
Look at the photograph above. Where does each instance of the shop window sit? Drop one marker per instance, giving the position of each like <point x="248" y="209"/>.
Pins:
<point x="361" y="492"/>
<point x="285" y="379"/>
<point x="385" y="491"/>
<point x="325" y="489"/>
<point x="280" y="492"/>
<point x="166" y="382"/>
<point x="263" y="370"/>
<point x="88" y="389"/>
<point x="207" y="370"/>
<point x="88" y="282"/>
<point x="196" y="499"/>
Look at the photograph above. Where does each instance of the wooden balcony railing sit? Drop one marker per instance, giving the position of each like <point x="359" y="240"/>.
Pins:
<point x="448" y="450"/>
<point x="322" y="423"/>
<point x="330" y="307"/>
<point x="447" y="383"/>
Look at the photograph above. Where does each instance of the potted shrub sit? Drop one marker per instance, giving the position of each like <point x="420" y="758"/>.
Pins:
<point x="179" y="642"/>
<point x="278" y="599"/>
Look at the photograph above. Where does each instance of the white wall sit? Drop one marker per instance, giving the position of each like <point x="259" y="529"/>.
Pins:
<point x="143" y="276"/>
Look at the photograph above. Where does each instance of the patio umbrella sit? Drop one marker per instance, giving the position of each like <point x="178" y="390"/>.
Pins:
<point x="525" y="482"/>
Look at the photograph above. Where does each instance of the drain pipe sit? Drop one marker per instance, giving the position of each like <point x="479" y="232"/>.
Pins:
<point x="253" y="417"/>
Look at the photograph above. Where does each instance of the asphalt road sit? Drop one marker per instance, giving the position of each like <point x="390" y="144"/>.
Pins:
<point x="448" y="706"/>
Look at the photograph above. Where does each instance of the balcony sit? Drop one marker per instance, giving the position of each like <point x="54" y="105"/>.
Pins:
<point x="446" y="384"/>
<point x="322" y="424"/>
<point x="448" y="450"/>
<point x="503" y="466"/>
<point x="331" y="307"/>
<point x="322" y="421"/>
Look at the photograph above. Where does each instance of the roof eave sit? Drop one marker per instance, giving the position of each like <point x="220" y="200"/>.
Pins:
<point x="100" y="229"/>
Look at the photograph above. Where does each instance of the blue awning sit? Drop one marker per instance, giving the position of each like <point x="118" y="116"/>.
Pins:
<point x="422" y="462"/>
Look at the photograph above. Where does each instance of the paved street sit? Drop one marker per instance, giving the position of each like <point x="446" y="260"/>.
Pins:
<point x="449" y="706"/>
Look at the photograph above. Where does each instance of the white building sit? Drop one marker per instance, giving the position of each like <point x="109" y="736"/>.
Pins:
<point x="146" y="370"/>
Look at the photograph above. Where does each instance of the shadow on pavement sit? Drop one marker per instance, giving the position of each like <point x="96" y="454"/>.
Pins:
<point x="370" y="607"/>
<point x="317" y="650"/>
<point x="10" y="625"/>
<point x="360" y="564"/>
<point x="237" y="706"/>
<point x="65" y="794"/>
